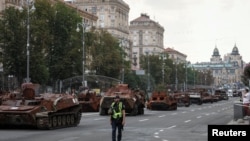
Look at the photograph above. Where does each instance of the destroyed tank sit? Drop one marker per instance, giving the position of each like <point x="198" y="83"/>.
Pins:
<point x="2" y="95"/>
<point x="195" y="96"/>
<point x="133" y="99"/>
<point x="89" y="100"/>
<point x="44" y="111"/>
<point x="161" y="100"/>
<point x="182" y="98"/>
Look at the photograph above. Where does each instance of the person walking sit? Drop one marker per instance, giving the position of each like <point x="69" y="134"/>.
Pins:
<point x="117" y="118"/>
<point x="246" y="102"/>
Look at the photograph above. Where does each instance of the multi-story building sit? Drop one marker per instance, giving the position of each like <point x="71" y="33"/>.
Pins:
<point x="224" y="71"/>
<point x="112" y="16"/>
<point x="175" y="55"/>
<point x="87" y="17"/>
<point x="146" y="36"/>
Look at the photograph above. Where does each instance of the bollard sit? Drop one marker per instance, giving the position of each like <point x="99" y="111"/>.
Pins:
<point x="238" y="110"/>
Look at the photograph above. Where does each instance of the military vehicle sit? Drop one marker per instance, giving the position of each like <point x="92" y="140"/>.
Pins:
<point x="221" y="94"/>
<point x="42" y="111"/>
<point x="89" y="100"/>
<point x="195" y="96"/>
<point x="133" y="99"/>
<point x="183" y="99"/>
<point x="201" y="95"/>
<point x="2" y="94"/>
<point x="161" y="100"/>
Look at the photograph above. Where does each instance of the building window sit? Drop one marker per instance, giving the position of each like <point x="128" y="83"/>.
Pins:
<point x="102" y="17"/>
<point x="140" y="37"/>
<point x="102" y="24"/>
<point x="93" y="9"/>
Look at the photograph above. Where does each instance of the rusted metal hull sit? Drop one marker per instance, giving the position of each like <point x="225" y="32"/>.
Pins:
<point x="159" y="106"/>
<point x="134" y="100"/>
<point x="89" y="101"/>
<point x="162" y="101"/>
<point x="46" y="111"/>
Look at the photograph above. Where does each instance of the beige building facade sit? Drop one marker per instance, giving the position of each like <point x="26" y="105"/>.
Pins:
<point x="175" y="55"/>
<point x="113" y="16"/>
<point x="227" y="70"/>
<point x="146" y="36"/>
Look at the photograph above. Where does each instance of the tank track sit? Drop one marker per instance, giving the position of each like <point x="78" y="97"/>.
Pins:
<point x="60" y="119"/>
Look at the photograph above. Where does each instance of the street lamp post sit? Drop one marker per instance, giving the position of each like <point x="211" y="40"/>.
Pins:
<point x="122" y="46"/>
<point x="10" y="82"/>
<point x="163" y="57"/>
<point x="185" y="76"/>
<point x="84" y="26"/>
<point x="148" y="84"/>
<point x="29" y="3"/>
<point x="194" y="76"/>
<point x="176" y="78"/>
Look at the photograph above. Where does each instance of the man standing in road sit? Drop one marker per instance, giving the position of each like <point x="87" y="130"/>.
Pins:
<point x="117" y="118"/>
<point x="246" y="102"/>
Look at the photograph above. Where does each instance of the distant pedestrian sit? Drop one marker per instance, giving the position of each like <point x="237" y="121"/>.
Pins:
<point x="117" y="118"/>
<point x="246" y="102"/>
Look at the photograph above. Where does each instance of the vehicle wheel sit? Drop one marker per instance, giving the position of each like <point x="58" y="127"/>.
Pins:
<point x="54" y="121"/>
<point x="68" y="119"/>
<point x="49" y="123"/>
<point x="72" y="119"/>
<point x="102" y="111"/>
<point x="187" y="104"/>
<point x="134" y="111"/>
<point x="63" y="120"/>
<point x="59" y="120"/>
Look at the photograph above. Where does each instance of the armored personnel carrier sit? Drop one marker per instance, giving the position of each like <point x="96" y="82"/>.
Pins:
<point x="89" y="100"/>
<point x="134" y="100"/>
<point x="183" y="99"/>
<point x="161" y="100"/>
<point x="221" y="94"/>
<point x="44" y="111"/>
<point x="195" y="96"/>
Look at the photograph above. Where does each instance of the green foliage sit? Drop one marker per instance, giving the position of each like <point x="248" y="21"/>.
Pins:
<point x="55" y="46"/>
<point x="107" y="58"/>
<point x="246" y="75"/>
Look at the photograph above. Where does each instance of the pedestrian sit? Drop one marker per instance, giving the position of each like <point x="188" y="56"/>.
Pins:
<point x="117" y="118"/>
<point x="246" y="102"/>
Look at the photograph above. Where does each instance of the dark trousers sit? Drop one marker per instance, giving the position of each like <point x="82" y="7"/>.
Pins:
<point x="246" y="109"/>
<point x="116" y="124"/>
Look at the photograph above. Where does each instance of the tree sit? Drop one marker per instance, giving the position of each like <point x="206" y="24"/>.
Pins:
<point x="14" y="55"/>
<point x="246" y="75"/>
<point x="55" y="46"/>
<point x="106" y="54"/>
<point x="52" y="42"/>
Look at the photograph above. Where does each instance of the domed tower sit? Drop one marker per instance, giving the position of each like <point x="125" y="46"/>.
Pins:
<point x="234" y="57"/>
<point x="216" y="56"/>
<point x="235" y="50"/>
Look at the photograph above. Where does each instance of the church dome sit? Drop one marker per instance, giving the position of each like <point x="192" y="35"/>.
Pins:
<point x="216" y="52"/>
<point x="235" y="50"/>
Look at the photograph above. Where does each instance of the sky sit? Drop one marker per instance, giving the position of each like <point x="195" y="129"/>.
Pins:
<point x="195" y="27"/>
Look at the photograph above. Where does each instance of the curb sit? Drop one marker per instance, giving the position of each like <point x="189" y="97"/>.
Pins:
<point x="244" y="121"/>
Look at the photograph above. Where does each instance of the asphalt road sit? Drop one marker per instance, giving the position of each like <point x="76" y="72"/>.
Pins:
<point x="185" y="123"/>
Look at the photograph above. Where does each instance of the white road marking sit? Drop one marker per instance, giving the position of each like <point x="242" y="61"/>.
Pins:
<point x="171" y="127"/>
<point x="187" y="121"/>
<point x="99" y="118"/>
<point x="161" y="116"/>
<point x="143" y="120"/>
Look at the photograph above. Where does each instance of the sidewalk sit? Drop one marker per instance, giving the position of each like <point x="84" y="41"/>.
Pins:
<point x="244" y="121"/>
